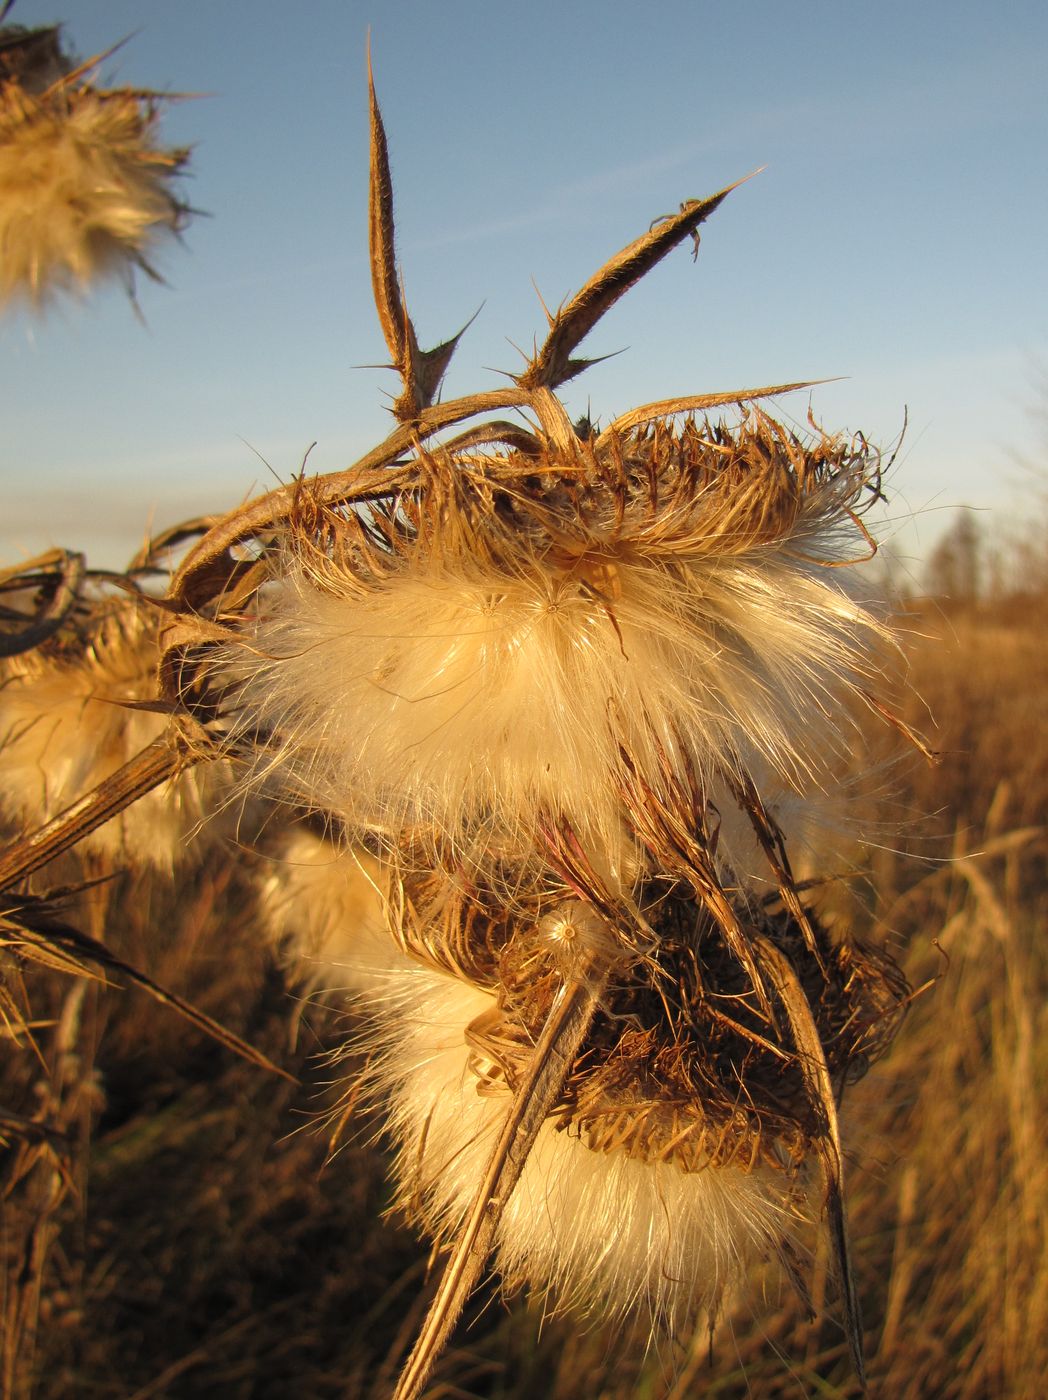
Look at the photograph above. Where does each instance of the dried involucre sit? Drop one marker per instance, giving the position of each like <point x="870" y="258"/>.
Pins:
<point x="550" y="692"/>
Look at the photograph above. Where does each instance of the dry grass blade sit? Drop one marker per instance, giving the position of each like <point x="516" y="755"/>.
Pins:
<point x="553" y="364"/>
<point x="154" y="765"/>
<point x="831" y="1159"/>
<point x="536" y="1096"/>
<point x="60" y="945"/>
<point x="16" y="1125"/>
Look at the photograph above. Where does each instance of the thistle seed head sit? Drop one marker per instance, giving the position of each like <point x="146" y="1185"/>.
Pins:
<point x="513" y="634"/>
<point x="546" y="673"/>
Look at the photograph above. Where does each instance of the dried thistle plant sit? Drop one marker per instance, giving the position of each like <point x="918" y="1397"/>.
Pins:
<point x="86" y="188"/>
<point x="549" y="690"/>
<point x="78" y="701"/>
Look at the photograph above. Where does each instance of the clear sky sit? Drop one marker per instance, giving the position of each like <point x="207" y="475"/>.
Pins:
<point x="897" y="236"/>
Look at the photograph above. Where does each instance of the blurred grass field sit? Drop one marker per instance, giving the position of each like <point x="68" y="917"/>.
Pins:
<point x="174" y="1222"/>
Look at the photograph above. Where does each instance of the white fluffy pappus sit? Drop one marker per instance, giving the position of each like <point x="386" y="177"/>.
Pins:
<point x="65" y="725"/>
<point x="598" y="1233"/>
<point x="471" y="699"/>
<point x="324" y="910"/>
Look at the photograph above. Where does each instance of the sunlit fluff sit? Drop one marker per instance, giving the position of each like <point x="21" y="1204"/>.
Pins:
<point x="324" y="910"/>
<point x="594" y="1232"/>
<point x="591" y="1231"/>
<point x="475" y="677"/>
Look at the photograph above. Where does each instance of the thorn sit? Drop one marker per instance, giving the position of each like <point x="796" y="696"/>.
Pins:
<point x="550" y="317"/>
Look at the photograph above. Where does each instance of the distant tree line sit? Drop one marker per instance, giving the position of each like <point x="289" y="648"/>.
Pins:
<point x="973" y="563"/>
<point x="956" y="568"/>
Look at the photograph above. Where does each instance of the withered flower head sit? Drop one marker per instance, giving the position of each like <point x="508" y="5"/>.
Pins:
<point x="78" y="702"/>
<point x="86" y="189"/>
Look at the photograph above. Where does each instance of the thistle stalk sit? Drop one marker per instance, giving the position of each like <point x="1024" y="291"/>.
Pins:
<point x="535" y="1099"/>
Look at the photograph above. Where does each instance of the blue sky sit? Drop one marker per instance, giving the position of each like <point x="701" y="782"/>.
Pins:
<point x="896" y="237"/>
